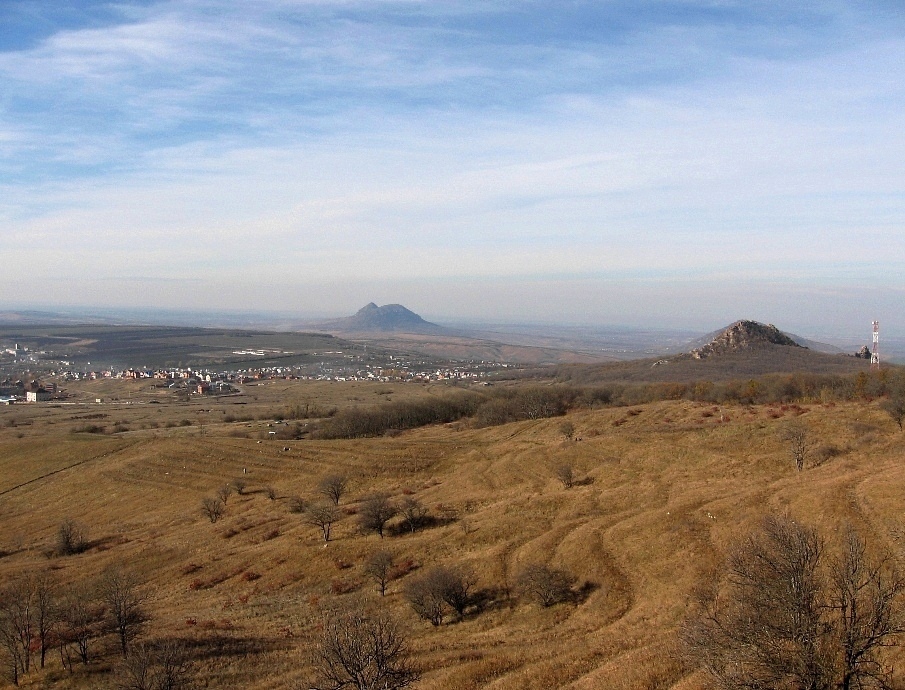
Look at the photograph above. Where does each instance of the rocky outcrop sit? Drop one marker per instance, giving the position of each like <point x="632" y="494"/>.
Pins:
<point x="742" y="335"/>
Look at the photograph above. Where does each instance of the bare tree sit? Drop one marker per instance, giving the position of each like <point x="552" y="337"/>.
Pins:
<point x="270" y="492"/>
<point x="895" y="408"/>
<point x="413" y="513"/>
<point x="379" y="568"/>
<point x="81" y="622"/>
<point x="125" y="601"/>
<point x="46" y="609"/>
<point x="363" y="652"/>
<point x="864" y="596"/>
<point x="212" y="508"/>
<point x="322" y="516"/>
<point x="567" y="429"/>
<point x="425" y="595"/>
<point x="782" y="619"/>
<point x="239" y="484"/>
<point x="375" y="512"/>
<point x="333" y="487"/>
<point x="565" y="474"/>
<point x="163" y="665"/>
<point x="72" y="537"/>
<point x="543" y="584"/>
<point x="224" y="492"/>
<point x="439" y="587"/>
<point x="456" y="584"/>
<point x="799" y="440"/>
<point x="17" y="626"/>
<point x="296" y="504"/>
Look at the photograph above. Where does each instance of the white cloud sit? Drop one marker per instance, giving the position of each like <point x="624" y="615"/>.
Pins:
<point x="287" y="142"/>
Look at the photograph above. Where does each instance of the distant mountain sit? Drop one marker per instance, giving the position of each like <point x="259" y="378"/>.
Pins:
<point x="392" y="318"/>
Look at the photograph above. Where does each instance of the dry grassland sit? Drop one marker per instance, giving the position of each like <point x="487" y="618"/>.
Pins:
<point x="663" y="489"/>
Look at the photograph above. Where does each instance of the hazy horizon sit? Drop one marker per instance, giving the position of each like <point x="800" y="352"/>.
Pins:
<point x="675" y="164"/>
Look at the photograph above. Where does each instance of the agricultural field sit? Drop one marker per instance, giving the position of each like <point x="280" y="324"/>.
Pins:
<point x="655" y="495"/>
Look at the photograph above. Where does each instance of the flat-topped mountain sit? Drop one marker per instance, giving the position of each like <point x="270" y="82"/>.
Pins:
<point x="740" y="336"/>
<point x="388" y="318"/>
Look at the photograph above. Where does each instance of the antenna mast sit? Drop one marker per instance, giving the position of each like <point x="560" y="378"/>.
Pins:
<point x="875" y="353"/>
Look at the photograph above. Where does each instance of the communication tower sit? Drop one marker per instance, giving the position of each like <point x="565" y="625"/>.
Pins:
<point x="875" y="353"/>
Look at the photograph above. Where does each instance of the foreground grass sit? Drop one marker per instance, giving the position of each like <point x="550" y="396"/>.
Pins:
<point x="663" y="489"/>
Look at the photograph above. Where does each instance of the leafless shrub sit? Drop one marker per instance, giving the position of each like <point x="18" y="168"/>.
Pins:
<point x="825" y="452"/>
<point x="375" y="512"/>
<point x="426" y="599"/>
<point x="567" y="429"/>
<point x="439" y="587"/>
<point x="543" y="584"/>
<point x="81" y="623"/>
<point x="163" y="665"/>
<point x="333" y="487"/>
<point x="895" y="408"/>
<point x="322" y="516"/>
<point x="270" y="492"/>
<point x="72" y="537"/>
<point x="379" y="567"/>
<point x="125" y="601"/>
<point x="565" y="474"/>
<point x="413" y="513"/>
<point x="296" y="504"/>
<point x="786" y="616"/>
<point x="799" y="442"/>
<point x="212" y="508"/>
<point x="239" y="484"/>
<point x="363" y="652"/>
<point x="224" y="492"/>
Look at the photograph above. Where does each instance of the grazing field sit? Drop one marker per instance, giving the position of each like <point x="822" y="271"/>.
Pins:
<point x="658" y="493"/>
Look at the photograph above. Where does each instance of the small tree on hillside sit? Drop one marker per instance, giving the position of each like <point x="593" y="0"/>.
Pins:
<point x="799" y="441"/>
<point x="72" y="537"/>
<point x="375" y="512"/>
<point x="786" y="616"/>
<point x="163" y="665"/>
<point x="567" y="429"/>
<point x="545" y="585"/>
<point x="212" y="508"/>
<point x="224" y="492"/>
<point x="125" y="601"/>
<point x="565" y="474"/>
<point x="895" y="408"/>
<point x="413" y="513"/>
<point x="379" y="567"/>
<point x="81" y="622"/>
<point x="322" y="516"/>
<point x="333" y="487"/>
<point x="363" y="652"/>
<point x="425" y="594"/>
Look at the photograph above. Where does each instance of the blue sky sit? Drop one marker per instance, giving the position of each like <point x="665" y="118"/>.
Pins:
<point x="684" y="163"/>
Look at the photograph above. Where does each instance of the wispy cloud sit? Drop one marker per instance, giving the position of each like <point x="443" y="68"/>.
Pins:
<point x="396" y="141"/>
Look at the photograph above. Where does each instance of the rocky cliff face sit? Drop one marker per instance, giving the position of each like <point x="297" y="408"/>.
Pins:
<point x="742" y="335"/>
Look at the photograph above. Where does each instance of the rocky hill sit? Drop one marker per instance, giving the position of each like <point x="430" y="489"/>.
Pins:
<point x="743" y="335"/>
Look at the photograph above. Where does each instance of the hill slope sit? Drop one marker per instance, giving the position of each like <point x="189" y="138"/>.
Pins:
<point x="663" y="490"/>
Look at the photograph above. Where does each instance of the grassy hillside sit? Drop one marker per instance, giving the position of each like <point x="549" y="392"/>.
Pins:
<point x="662" y="489"/>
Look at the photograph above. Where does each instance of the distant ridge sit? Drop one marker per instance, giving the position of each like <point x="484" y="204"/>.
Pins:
<point x="392" y="318"/>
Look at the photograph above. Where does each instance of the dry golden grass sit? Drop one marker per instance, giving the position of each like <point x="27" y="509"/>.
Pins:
<point x="663" y="489"/>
